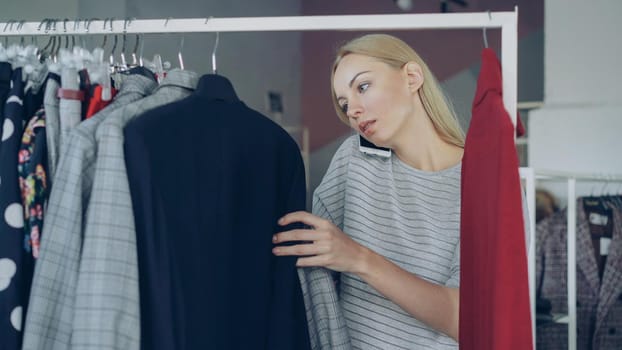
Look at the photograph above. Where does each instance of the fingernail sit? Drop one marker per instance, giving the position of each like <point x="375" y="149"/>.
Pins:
<point x="275" y="251"/>
<point x="281" y="220"/>
<point x="274" y="238"/>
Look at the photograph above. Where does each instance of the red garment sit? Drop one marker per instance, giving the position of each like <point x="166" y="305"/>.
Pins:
<point x="494" y="291"/>
<point x="96" y="103"/>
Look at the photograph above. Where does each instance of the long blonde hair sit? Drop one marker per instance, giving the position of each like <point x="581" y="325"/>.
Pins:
<point x="396" y="53"/>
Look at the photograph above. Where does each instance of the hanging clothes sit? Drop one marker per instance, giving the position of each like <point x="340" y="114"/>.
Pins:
<point x="5" y="88"/>
<point x="49" y="322"/>
<point x="32" y="170"/>
<point x="15" y="257"/>
<point x="97" y="103"/>
<point x="51" y="104"/>
<point x="222" y="179"/>
<point x="599" y="300"/>
<point x="87" y="90"/>
<point x="494" y="289"/>
<point x="107" y="295"/>
<point x="70" y="102"/>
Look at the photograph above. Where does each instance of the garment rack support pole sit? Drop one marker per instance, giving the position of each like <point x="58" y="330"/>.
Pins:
<point x="572" y="264"/>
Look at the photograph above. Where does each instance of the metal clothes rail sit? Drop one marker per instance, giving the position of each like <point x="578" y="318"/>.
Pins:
<point x="506" y="21"/>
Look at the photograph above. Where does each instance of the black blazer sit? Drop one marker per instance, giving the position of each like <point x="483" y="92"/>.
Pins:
<point x="209" y="179"/>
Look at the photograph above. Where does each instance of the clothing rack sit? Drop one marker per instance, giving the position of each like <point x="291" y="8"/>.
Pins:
<point x="506" y="21"/>
<point x="530" y="175"/>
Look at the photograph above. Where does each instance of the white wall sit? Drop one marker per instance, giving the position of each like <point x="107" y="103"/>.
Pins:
<point x="36" y="10"/>
<point x="579" y="127"/>
<point x="582" y="52"/>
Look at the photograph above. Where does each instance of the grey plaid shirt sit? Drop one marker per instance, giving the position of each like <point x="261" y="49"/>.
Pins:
<point x="51" y="308"/>
<point x="107" y="313"/>
<point x="70" y="110"/>
<point x="327" y="325"/>
<point x="51" y="104"/>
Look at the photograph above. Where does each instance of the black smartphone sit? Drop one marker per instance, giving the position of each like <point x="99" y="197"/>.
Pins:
<point x="369" y="148"/>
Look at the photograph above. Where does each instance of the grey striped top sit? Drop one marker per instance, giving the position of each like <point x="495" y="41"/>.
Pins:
<point x="409" y="216"/>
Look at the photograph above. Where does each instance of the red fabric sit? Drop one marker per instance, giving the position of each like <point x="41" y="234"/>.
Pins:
<point x="494" y="292"/>
<point x="97" y="104"/>
<point x="67" y="94"/>
<point x="520" y="128"/>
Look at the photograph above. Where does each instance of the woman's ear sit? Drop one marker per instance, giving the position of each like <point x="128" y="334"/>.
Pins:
<point x="414" y="75"/>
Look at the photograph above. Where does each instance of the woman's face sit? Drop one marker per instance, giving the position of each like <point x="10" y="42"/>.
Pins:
<point x="375" y="97"/>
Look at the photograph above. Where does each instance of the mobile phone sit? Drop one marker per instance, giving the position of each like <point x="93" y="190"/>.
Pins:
<point x="369" y="148"/>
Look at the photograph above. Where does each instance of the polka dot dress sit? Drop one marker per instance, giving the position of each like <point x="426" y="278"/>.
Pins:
<point x="15" y="262"/>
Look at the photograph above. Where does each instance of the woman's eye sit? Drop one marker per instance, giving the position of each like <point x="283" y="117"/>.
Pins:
<point x="344" y="108"/>
<point x="363" y="86"/>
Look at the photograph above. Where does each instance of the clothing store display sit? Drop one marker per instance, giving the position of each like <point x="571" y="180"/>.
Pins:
<point x="51" y="104"/>
<point x="97" y="103"/>
<point x="87" y="89"/>
<point x="49" y="322"/>
<point x="599" y="299"/>
<point x="107" y="301"/>
<point x="32" y="165"/>
<point x="494" y="292"/>
<point x="387" y="188"/>
<point x="204" y="224"/>
<point x="163" y="201"/>
<point x="15" y="257"/>
<point x="70" y="102"/>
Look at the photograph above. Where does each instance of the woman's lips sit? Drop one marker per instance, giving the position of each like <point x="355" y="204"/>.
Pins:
<point x="366" y="127"/>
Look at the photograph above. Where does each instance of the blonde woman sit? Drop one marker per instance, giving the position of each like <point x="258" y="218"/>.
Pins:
<point x="389" y="225"/>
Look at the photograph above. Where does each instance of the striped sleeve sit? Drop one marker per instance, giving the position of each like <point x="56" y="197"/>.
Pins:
<point x="326" y="323"/>
<point x="328" y="198"/>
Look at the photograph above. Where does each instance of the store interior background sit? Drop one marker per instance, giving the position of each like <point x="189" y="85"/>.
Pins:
<point x="568" y="61"/>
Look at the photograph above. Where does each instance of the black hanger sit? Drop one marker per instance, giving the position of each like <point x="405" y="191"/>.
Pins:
<point x="139" y="70"/>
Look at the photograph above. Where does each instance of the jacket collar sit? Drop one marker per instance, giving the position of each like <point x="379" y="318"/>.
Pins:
<point x="216" y="87"/>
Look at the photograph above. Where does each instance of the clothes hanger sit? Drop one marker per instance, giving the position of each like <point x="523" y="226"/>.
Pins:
<point x="6" y="37"/>
<point x="124" y="65"/>
<point x="484" y="31"/>
<point x="179" y="54"/>
<point x="114" y="47"/>
<point x="214" y="70"/>
<point x="134" y="59"/>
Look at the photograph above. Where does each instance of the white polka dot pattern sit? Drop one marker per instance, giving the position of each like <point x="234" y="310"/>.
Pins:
<point x="16" y="318"/>
<point x="14" y="215"/>
<point x="15" y="99"/>
<point x="7" y="271"/>
<point x="7" y="129"/>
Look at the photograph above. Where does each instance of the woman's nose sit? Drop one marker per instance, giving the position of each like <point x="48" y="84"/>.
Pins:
<point x="355" y="109"/>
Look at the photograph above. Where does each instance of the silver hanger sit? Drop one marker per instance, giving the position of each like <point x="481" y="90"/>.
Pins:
<point x="6" y="37"/>
<point x="484" y="31"/>
<point x="214" y="53"/>
<point x="214" y="70"/>
<point x="180" y="57"/>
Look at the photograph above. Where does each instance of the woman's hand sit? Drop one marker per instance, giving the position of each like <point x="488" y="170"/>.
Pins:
<point x="328" y="246"/>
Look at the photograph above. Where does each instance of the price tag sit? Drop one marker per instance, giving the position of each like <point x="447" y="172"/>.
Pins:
<point x="604" y="246"/>
<point x="597" y="219"/>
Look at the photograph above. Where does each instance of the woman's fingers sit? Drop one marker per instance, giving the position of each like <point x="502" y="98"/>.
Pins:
<point x="320" y="260"/>
<point x="299" y="250"/>
<point x="297" y="235"/>
<point x="304" y="217"/>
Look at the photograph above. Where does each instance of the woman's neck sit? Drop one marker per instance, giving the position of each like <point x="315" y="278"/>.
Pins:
<point x="421" y="147"/>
